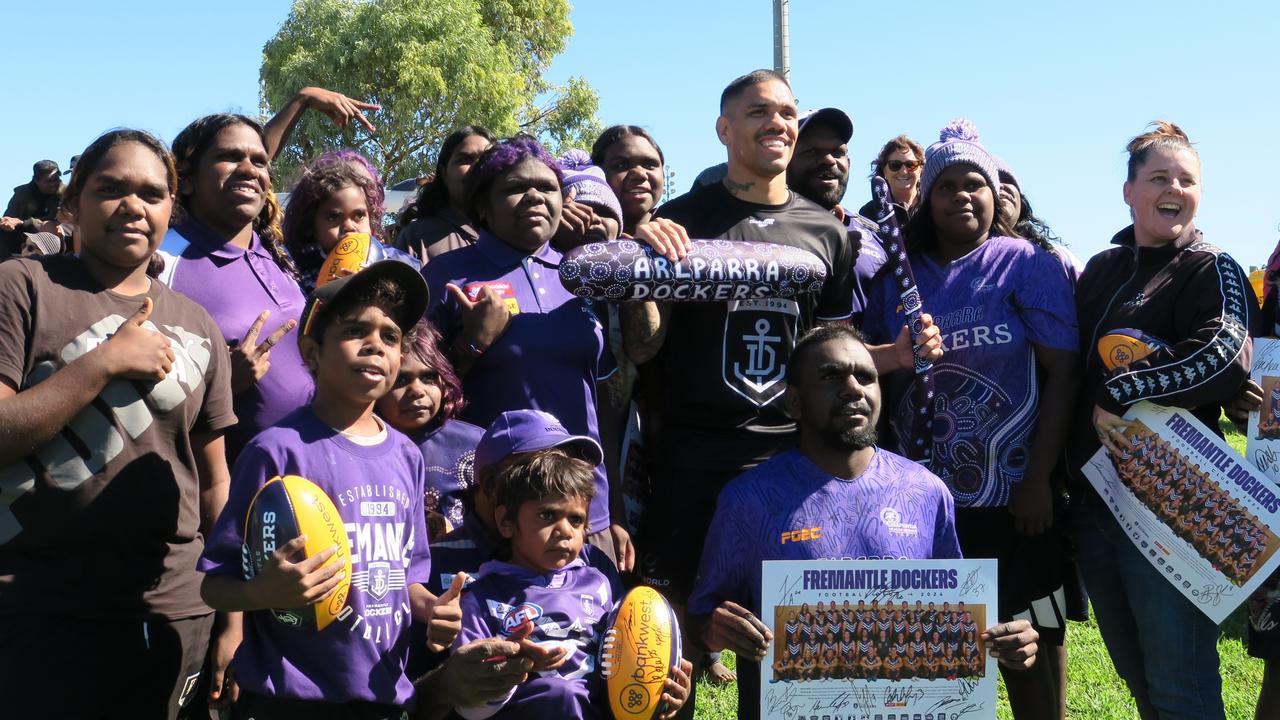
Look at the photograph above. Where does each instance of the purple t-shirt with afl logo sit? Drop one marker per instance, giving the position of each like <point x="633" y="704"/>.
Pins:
<point x="993" y="306"/>
<point x="378" y="491"/>
<point x="569" y="607"/>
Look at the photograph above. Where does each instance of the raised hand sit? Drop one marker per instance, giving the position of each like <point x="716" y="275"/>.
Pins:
<point x="338" y="107"/>
<point x="446" y="616"/>
<point x="483" y="319"/>
<point x="250" y="359"/>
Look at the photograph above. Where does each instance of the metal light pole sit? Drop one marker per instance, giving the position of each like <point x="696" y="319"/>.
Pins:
<point x="781" y="39"/>
<point x="668" y="184"/>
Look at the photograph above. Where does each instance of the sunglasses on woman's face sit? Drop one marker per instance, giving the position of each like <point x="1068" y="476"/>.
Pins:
<point x="898" y="165"/>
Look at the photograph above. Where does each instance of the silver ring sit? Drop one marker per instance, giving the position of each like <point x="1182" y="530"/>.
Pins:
<point x="1116" y="430"/>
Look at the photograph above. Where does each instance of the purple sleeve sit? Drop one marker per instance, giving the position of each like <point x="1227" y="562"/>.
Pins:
<point x="723" y="572"/>
<point x="1046" y="301"/>
<point x="420" y="561"/>
<point x="946" y="545"/>
<point x="223" y="549"/>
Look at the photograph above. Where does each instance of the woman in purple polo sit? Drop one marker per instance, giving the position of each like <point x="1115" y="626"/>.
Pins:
<point x="226" y="254"/>
<point x="517" y="338"/>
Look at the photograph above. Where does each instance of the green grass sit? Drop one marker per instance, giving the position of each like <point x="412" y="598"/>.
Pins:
<point x="1094" y="691"/>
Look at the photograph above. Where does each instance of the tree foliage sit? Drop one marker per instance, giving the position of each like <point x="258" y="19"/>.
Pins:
<point x="433" y="66"/>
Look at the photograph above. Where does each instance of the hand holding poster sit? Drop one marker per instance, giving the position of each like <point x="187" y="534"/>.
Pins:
<point x="1196" y="510"/>
<point x="1264" y="425"/>
<point x="887" y="639"/>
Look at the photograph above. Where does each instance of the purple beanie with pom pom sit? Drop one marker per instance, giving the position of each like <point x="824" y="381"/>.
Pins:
<point x="588" y="180"/>
<point x="958" y="143"/>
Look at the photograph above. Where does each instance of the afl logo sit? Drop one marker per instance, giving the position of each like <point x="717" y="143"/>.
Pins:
<point x="519" y="615"/>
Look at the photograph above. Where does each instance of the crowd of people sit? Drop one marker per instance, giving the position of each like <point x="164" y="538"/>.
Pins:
<point x="170" y="347"/>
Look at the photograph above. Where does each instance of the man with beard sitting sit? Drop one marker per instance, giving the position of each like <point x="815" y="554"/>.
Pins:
<point x="855" y="499"/>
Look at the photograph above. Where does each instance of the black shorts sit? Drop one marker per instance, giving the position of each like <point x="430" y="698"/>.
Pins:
<point x="1030" y="571"/>
<point x="62" y="667"/>
<point x="252" y="706"/>
<point x="674" y="529"/>
<point x="1264" y="620"/>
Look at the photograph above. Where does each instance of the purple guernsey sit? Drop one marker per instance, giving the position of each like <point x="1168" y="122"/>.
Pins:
<point x="571" y="607"/>
<point x="789" y="509"/>
<point x="993" y="306"/>
<point x="378" y="491"/>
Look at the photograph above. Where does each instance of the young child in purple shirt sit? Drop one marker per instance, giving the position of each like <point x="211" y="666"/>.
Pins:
<point x="423" y="404"/>
<point x="351" y="339"/>
<point x="543" y="594"/>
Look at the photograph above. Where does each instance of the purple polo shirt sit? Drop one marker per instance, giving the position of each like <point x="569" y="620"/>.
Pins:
<point x="234" y="285"/>
<point x="550" y="357"/>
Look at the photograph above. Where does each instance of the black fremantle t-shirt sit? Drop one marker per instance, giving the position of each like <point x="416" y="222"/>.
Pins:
<point x="724" y="363"/>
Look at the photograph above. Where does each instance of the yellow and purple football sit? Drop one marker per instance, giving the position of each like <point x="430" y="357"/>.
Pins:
<point x="286" y="507"/>
<point x="1122" y="347"/>
<point x="640" y="649"/>
<point x="353" y="252"/>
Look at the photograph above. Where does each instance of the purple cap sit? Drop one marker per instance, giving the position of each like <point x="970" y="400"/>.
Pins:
<point x="835" y="117"/>
<point x="518" y="431"/>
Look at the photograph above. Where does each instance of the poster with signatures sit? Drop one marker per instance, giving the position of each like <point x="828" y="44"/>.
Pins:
<point x="878" y="640"/>
<point x="1264" y="424"/>
<point x="1200" y="513"/>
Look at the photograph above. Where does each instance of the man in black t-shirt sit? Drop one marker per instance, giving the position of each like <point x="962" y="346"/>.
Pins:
<point x="716" y="401"/>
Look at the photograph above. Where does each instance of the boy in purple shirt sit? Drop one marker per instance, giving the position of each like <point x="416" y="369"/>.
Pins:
<point x="544" y="594"/>
<point x="351" y="340"/>
<point x="867" y="503"/>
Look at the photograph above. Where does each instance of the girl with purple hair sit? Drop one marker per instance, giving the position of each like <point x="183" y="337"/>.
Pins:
<point x="424" y="404"/>
<point x="339" y="193"/>
<point x="517" y="338"/>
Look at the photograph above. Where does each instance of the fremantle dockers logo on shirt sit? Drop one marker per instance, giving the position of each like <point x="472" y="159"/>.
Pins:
<point x="379" y="579"/>
<point x="892" y="520"/>
<point x="758" y="336"/>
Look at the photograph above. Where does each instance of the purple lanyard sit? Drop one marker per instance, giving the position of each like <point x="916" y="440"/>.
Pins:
<point x="919" y="443"/>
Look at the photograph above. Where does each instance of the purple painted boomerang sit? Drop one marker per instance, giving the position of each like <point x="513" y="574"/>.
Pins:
<point x="919" y="445"/>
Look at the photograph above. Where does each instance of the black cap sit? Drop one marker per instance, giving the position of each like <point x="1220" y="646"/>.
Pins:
<point x="406" y="315"/>
<point x="74" y="159"/>
<point x="44" y="167"/>
<point x="834" y="117"/>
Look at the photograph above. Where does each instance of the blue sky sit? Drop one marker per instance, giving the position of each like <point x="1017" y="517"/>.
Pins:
<point x="1056" y="89"/>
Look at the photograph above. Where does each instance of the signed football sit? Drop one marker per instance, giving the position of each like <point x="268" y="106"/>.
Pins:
<point x="352" y="253"/>
<point x="283" y="509"/>
<point x="639" y="651"/>
<point x="713" y="271"/>
<point x="1121" y="347"/>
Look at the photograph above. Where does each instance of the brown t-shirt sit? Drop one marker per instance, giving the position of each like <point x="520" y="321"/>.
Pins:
<point x="103" y="521"/>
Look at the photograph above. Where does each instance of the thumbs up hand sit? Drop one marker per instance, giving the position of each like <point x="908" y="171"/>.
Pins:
<point x="483" y="319"/>
<point x="135" y="353"/>
<point x="446" y="616"/>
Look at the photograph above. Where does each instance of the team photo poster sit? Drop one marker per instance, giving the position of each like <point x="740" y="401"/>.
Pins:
<point x="1264" y="425"/>
<point x="878" y="639"/>
<point x="1200" y="513"/>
